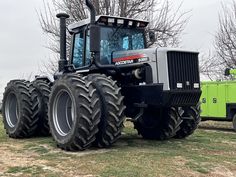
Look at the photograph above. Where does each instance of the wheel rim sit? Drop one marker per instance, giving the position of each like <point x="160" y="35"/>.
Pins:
<point x="63" y="113"/>
<point x="11" y="110"/>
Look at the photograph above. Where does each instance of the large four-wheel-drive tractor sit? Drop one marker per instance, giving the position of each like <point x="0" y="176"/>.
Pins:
<point x="110" y="75"/>
<point x="219" y="99"/>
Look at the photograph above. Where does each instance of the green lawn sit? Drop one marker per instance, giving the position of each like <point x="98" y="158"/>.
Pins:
<point x="207" y="153"/>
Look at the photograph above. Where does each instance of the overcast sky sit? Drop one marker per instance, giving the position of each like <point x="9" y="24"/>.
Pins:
<point x="22" y="41"/>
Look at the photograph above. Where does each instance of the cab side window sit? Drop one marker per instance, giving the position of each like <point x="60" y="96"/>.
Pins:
<point x="87" y="52"/>
<point x="137" y="41"/>
<point x="78" y="50"/>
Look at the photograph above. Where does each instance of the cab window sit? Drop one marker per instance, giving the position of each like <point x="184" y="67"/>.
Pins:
<point x="78" y="51"/>
<point x="119" y="39"/>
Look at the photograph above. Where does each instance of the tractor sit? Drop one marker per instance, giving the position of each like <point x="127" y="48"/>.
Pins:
<point x="110" y="75"/>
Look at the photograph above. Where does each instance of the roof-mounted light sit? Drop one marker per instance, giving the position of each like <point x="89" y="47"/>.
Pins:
<point x="142" y="24"/>
<point x="103" y="20"/>
<point x="111" y="20"/>
<point x="120" y="21"/>
<point x="131" y="23"/>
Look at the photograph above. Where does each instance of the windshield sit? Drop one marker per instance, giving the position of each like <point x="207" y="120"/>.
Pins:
<point x="119" y="39"/>
<point x="112" y="40"/>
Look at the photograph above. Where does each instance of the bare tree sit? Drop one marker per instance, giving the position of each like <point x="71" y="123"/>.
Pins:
<point x="167" y="22"/>
<point x="225" y="44"/>
<point x="226" y="36"/>
<point x="210" y="67"/>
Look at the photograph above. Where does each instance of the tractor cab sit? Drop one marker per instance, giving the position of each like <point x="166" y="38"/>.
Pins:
<point x="115" y="34"/>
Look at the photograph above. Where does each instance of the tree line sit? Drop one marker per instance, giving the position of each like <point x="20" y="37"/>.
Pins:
<point x="223" y="56"/>
<point x="167" y="22"/>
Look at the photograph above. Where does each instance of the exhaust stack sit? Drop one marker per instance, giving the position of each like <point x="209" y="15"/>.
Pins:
<point x="92" y="11"/>
<point x="63" y="61"/>
<point x="94" y="30"/>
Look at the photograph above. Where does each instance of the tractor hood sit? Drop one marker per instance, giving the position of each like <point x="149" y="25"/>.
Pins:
<point x="163" y="62"/>
<point x="143" y="55"/>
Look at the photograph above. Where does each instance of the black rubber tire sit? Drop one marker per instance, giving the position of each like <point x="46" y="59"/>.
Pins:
<point x="112" y="110"/>
<point x="86" y="112"/>
<point x="24" y="125"/>
<point x="234" y="122"/>
<point x="40" y="100"/>
<point x="188" y="126"/>
<point x="164" y="128"/>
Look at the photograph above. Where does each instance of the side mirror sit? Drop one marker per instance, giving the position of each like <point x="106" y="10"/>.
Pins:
<point x="152" y="36"/>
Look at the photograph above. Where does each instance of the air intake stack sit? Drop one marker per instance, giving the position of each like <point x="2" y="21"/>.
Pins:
<point x="63" y="61"/>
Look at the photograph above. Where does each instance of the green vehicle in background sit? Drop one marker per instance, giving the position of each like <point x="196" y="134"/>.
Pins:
<point x="219" y="99"/>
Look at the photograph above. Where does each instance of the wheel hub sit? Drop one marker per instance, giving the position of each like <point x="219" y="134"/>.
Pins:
<point x="11" y="110"/>
<point x="63" y="113"/>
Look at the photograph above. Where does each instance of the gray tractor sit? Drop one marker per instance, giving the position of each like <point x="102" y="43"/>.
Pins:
<point x="110" y="75"/>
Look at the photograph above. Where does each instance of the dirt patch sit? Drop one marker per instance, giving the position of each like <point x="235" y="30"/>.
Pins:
<point x="11" y="158"/>
<point x="17" y="160"/>
<point x="221" y="172"/>
<point x="179" y="160"/>
<point x="216" y="172"/>
<point x="230" y="143"/>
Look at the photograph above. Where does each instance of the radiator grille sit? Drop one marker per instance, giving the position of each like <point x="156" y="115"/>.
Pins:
<point x="183" y="68"/>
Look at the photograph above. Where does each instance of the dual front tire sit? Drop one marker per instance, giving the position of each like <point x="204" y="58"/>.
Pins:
<point x="74" y="113"/>
<point x="85" y="111"/>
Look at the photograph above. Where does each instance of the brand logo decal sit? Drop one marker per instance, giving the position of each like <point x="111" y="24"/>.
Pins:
<point x="130" y="59"/>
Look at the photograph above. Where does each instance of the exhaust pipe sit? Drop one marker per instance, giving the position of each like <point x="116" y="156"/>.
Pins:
<point x="94" y="29"/>
<point x="63" y="61"/>
<point x="92" y="11"/>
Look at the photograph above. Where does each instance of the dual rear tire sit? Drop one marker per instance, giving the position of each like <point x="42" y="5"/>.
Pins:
<point x="25" y="108"/>
<point x="191" y="119"/>
<point x="158" y="124"/>
<point x="17" y="109"/>
<point x="40" y="98"/>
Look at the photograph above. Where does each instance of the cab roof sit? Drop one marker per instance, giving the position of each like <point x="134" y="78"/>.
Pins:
<point x="110" y="21"/>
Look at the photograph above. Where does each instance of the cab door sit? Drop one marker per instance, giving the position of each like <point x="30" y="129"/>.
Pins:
<point x="80" y="54"/>
<point x="212" y="103"/>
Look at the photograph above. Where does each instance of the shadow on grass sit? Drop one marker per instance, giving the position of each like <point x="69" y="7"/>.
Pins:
<point x="204" y="127"/>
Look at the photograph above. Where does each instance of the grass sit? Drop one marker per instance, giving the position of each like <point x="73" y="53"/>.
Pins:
<point x="207" y="152"/>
